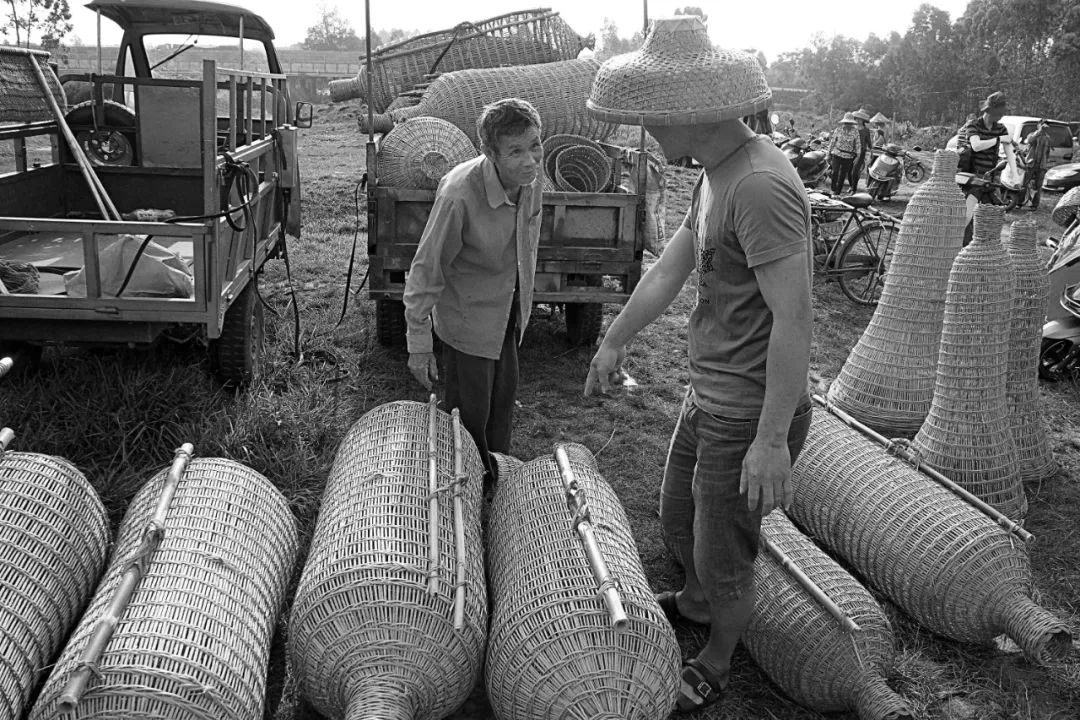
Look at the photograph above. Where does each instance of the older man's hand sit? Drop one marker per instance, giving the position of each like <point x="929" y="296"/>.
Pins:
<point x="424" y="368"/>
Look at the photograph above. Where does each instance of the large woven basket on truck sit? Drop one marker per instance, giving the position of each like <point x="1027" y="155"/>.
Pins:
<point x="126" y="224"/>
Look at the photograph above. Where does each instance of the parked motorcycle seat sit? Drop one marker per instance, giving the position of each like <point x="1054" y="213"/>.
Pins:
<point x="859" y="200"/>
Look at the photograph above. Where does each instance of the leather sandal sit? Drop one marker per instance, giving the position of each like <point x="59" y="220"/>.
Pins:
<point x="667" y="602"/>
<point x="699" y="688"/>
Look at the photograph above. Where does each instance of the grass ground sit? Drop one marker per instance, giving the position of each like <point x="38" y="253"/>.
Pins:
<point x="119" y="415"/>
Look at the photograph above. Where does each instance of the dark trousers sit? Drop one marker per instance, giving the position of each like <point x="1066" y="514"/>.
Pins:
<point x="856" y="171"/>
<point x="484" y="391"/>
<point x="841" y="170"/>
<point x="1033" y="180"/>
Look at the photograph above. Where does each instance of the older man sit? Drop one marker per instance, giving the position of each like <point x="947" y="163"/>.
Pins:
<point x="747" y="412"/>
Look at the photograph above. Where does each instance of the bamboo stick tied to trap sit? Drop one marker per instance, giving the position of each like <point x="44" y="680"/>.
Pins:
<point x="6" y="364"/>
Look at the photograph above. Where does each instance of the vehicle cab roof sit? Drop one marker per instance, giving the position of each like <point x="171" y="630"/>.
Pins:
<point x="194" y="17"/>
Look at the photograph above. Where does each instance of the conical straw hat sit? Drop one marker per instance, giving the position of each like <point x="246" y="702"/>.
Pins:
<point x="879" y="118"/>
<point x="678" y="78"/>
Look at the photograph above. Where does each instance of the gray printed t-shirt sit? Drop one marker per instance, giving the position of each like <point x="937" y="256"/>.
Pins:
<point x="748" y="211"/>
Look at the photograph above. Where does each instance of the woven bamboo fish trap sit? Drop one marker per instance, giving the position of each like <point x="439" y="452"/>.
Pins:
<point x="960" y="570"/>
<point x="968" y="433"/>
<point x="21" y="97"/>
<point x="417" y="153"/>
<point x="1030" y="432"/>
<point x="577" y="164"/>
<point x="887" y="381"/>
<point x="557" y="91"/>
<point x="390" y="617"/>
<point x="525" y="37"/>
<point x="53" y="540"/>
<point x="181" y="624"/>
<point x="576" y="632"/>
<point x="829" y="656"/>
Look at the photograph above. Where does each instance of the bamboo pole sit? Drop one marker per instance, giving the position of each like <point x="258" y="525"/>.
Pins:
<point x="905" y="454"/>
<point x="6" y="436"/>
<point x="583" y="526"/>
<point x="433" y="497"/>
<point x="114" y="612"/>
<point x="5" y="365"/>
<point x="846" y="624"/>
<point x="459" y="524"/>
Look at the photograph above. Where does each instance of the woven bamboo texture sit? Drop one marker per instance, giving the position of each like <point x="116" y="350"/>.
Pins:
<point x="520" y="38"/>
<point x="580" y="168"/>
<point x="366" y="639"/>
<point x="1064" y="211"/>
<point x="553" y="652"/>
<point x="194" y="640"/>
<point x="417" y="153"/>
<point x="1030" y="432"/>
<point x="803" y="648"/>
<point x="935" y="556"/>
<point x="888" y="379"/>
<point x="967" y="436"/>
<point x="21" y="97"/>
<point x="53" y="540"/>
<point x="557" y="91"/>
<point x="678" y="77"/>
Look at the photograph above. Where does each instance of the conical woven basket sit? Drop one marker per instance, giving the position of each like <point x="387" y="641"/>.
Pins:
<point x="557" y="91"/>
<point x="520" y="38"/>
<point x="194" y="639"/>
<point x="941" y="560"/>
<point x="553" y="651"/>
<point x="802" y="647"/>
<point x="580" y="168"/>
<point x="1030" y="432"/>
<point x="21" y="96"/>
<point x="888" y="379"/>
<point x="367" y="638"/>
<point x="967" y="435"/>
<point x="53" y="540"/>
<point x="417" y="153"/>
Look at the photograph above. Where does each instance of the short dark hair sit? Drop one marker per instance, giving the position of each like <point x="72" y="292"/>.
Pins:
<point x="510" y="116"/>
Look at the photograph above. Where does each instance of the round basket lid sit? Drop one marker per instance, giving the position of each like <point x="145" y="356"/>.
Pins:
<point x="418" y="152"/>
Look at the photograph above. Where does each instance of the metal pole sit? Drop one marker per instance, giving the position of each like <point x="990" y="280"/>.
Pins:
<point x="241" y="43"/>
<point x="367" y="71"/>
<point x="99" y="60"/>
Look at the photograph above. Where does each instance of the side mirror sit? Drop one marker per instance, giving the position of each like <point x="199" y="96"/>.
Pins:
<point x="304" y="114"/>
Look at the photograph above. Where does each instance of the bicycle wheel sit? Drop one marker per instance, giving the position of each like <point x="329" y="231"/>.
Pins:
<point x="864" y="260"/>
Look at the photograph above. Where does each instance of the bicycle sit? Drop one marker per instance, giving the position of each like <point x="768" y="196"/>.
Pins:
<point x="853" y="243"/>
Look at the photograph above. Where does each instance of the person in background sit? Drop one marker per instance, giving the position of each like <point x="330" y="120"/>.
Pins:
<point x="747" y="411"/>
<point x="845" y="145"/>
<point x="978" y="147"/>
<point x="472" y="275"/>
<point x="864" y="139"/>
<point x="1038" y="154"/>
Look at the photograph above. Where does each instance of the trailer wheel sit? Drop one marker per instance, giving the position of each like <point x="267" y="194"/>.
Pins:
<point x="237" y="353"/>
<point x="107" y="145"/>
<point x="390" y="322"/>
<point x="583" y="321"/>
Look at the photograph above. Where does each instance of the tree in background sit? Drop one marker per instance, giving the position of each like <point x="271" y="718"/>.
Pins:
<point x="692" y="10"/>
<point x="611" y="44"/>
<point x="333" y="32"/>
<point x="48" y="20"/>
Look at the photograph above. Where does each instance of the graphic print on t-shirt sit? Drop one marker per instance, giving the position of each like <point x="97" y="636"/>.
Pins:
<point x="705" y="265"/>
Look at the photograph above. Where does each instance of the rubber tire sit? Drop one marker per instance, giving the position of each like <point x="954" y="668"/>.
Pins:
<point x="1052" y="352"/>
<point x="915" y="174"/>
<point x="81" y="120"/>
<point x="239" y="350"/>
<point x="583" y="321"/>
<point x="874" y="241"/>
<point x="390" y="322"/>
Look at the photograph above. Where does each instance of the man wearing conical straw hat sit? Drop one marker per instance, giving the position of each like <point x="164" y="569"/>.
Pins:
<point x="747" y="234"/>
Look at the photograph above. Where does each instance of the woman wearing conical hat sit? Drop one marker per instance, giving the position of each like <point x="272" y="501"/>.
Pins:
<point x="747" y="234"/>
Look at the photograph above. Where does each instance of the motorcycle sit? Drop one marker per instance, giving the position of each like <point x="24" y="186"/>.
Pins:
<point x="809" y="159"/>
<point x="1059" y="356"/>
<point x="889" y="167"/>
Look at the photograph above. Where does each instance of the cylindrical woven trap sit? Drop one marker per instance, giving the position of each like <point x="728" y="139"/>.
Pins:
<point x="580" y="168"/>
<point x="194" y="639"/>
<point x="19" y="278"/>
<point x="22" y="98"/>
<point x="887" y="381"/>
<point x="367" y="638"/>
<point x="53" y="539"/>
<point x="557" y="90"/>
<point x="804" y="648"/>
<point x="417" y="153"/>
<point x="937" y="557"/>
<point x="553" y="651"/>
<point x="1029" y="430"/>
<point x="967" y="435"/>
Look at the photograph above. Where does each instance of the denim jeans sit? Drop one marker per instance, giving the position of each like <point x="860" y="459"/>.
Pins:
<point x="703" y="516"/>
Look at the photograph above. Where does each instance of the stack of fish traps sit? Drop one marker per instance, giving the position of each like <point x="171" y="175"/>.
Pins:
<point x="888" y="379"/>
<point x="577" y="164"/>
<point x="418" y="153"/>
<point x="182" y="622"/>
<point x="53" y="540"/>
<point x="576" y="632"/>
<point x="1029" y="430"/>
<point x="557" y="90"/>
<point x="960" y="571"/>
<point x="21" y="97"/>
<point x="967" y="435"/>
<point x="521" y="38"/>
<point x="828" y="655"/>
<point x="390" y="617"/>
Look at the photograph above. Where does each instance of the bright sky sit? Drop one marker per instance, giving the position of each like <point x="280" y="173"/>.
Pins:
<point x="773" y="26"/>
